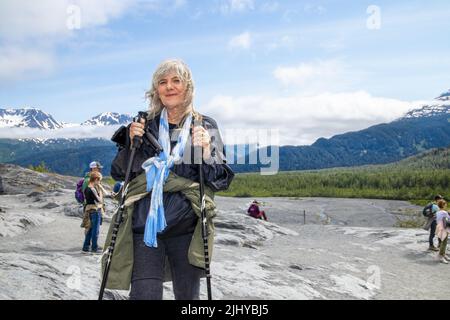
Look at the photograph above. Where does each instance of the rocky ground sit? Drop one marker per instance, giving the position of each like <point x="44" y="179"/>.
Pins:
<point x="344" y="249"/>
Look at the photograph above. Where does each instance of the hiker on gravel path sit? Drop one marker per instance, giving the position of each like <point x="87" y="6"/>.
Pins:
<point x="430" y="213"/>
<point x="442" y="230"/>
<point x="93" y="213"/>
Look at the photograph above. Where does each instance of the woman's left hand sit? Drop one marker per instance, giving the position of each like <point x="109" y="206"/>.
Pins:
<point x="201" y="138"/>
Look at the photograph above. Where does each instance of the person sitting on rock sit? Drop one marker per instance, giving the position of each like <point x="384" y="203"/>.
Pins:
<point x="93" y="213"/>
<point x="255" y="212"/>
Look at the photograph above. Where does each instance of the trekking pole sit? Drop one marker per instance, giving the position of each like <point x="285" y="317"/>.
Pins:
<point x="199" y="155"/>
<point x="137" y="141"/>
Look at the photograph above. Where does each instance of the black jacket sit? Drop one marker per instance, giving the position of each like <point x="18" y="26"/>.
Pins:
<point x="179" y="214"/>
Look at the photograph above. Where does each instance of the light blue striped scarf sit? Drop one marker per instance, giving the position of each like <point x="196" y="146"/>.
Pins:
<point x="157" y="171"/>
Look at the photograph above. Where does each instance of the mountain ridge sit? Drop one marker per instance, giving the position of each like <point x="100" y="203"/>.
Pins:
<point x="37" y="119"/>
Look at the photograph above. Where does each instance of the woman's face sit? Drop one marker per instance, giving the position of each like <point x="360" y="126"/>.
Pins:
<point x="171" y="90"/>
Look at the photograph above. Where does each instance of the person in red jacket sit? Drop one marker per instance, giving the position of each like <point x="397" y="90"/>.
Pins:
<point x="255" y="212"/>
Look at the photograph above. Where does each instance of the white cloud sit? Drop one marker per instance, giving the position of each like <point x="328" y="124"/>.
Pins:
<point x="309" y="72"/>
<point x="317" y="9"/>
<point x="230" y="6"/>
<point x="241" y="5"/>
<point x="285" y="41"/>
<point x="270" y="7"/>
<point x="302" y="119"/>
<point x="242" y="41"/>
<point x="179" y="4"/>
<point x="31" y="30"/>
<point x="22" y="19"/>
<point x="16" y="63"/>
<point x="163" y="7"/>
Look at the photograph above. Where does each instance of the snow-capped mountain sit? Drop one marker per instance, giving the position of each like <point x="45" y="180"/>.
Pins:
<point x="28" y="118"/>
<point x="440" y="106"/>
<point x="37" y="119"/>
<point x="108" y="119"/>
<point x="444" y="97"/>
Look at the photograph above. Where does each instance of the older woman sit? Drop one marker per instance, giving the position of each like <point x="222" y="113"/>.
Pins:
<point x="165" y="224"/>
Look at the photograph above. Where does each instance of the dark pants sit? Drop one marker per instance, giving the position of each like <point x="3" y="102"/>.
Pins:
<point x="92" y="234"/>
<point x="433" y="233"/>
<point x="149" y="269"/>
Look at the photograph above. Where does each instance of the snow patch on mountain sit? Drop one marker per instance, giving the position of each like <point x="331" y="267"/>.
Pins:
<point x="427" y="111"/>
<point x="109" y="119"/>
<point x="445" y="96"/>
<point x="70" y="125"/>
<point x="439" y="106"/>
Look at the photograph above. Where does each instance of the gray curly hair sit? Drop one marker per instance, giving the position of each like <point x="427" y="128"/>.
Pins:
<point x="181" y="69"/>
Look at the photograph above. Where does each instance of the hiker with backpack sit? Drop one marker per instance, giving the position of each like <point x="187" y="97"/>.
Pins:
<point x="443" y="230"/>
<point x="93" y="213"/>
<point x="255" y="212"/>
<point x="429" y="212"/>
<point x="162" y="208"/>
<point x="94" y="166"/>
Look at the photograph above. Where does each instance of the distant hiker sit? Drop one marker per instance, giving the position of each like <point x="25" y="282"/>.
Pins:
<point x="429" y="212"/>
<point x="94" y="166"/>
<point x="93" y="212"/>
<point x="143" y="245"/>
<point x="255" y="212"/>
<point x="117" y="188"/>
<point x="2" y="191"/>
<point x="442" y="230"/>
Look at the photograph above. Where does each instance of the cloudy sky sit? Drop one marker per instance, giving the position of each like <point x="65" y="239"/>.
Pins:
<point x="307" y="68"/>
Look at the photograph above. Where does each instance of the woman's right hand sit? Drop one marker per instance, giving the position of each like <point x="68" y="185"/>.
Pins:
<point x="137" y="129"/>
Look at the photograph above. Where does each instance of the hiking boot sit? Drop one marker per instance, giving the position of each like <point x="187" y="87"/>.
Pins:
<point x="98" y="251"/>
<point x="443" y="260"/>
<point x="433" y="248"/>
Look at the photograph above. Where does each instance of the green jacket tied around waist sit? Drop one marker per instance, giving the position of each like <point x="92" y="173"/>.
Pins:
<point x="119" y="277"/>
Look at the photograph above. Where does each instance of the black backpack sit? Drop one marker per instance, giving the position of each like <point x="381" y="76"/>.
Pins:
<point x="428" y="210"/>
<point x="446" y="222"/>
